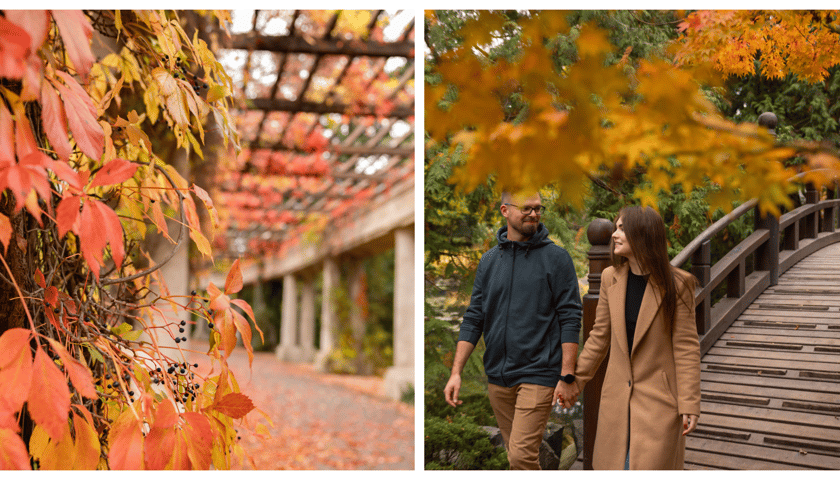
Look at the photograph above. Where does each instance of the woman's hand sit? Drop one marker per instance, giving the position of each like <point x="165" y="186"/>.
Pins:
<point x="689" y="423"/>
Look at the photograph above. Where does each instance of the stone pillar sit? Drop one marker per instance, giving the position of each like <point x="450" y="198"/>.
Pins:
<point x="307" y="319"/>
<point x="357" y="322"/>
<point x="399" y="377"/>
<point x="329" y="320"/>
<point x="288" y="349"/>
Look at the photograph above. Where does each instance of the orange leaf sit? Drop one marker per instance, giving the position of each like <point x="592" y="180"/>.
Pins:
<point x="179" y="460"/>
<point x="67" y="213"/>
<point x="160" y="443"/>
<point x="15" y="368"/>
<point x="234" y="405"/>
<point x="125" y="442"/>
<point x="81" y="116"/>
<point x="55" y="121"/>
<point x="233" y="283"/>
<point x="227" y="330"/>
<point x="245" y="330"/>
<point x="87" y="445"/>
<point x="13" y="454"/>
<point x="76" y="32"/>
<point x="247" y="308"/>
<point x="113" y="172"/>
<point x="7" y="137"/>
<point x="5" y="231"/>
<point x="200" y="435"/>
<point x="49" y="397"/>
<point x="79" y="374"/>
<point x="100" y="226"/>
<point x="14" y="48"/>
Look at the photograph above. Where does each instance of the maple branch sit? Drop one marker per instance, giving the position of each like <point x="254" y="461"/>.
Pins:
<point x="20" y="296"/>
<point x="183" y="225"/>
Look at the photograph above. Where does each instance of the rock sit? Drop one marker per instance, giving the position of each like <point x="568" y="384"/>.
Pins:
<point x="495" y="436"/>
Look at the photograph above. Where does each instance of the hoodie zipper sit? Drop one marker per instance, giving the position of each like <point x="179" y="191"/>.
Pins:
<point x="507" y="315"/>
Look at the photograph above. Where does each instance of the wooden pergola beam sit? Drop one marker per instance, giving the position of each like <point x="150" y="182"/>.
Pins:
<point x="323" y="46"/>
<point x="280" y="105"/>
<point x="337" y="149"/>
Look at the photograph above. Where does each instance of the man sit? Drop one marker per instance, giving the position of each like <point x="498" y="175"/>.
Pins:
<point x="525" y="301"/>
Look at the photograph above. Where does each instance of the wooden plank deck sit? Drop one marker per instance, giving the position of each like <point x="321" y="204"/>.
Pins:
<point x="771" y="383"/>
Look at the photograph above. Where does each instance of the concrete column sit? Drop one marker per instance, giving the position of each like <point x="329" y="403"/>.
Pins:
<point x="401" y="375"/>
<point x="329" y="320"/>
<point x="288" y="349"/>
<point x="307" y="319"/>
<point x="357" y="321"/>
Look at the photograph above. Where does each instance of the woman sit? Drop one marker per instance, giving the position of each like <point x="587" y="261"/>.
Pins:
<point x="650" y="398"/>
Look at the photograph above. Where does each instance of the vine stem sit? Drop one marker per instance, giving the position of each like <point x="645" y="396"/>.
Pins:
<point x="22" y="301"/>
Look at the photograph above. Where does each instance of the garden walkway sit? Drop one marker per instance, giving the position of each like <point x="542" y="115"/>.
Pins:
<point x="321" y="421"/>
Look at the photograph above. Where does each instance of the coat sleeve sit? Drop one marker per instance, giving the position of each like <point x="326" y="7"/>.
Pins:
<point x="567" y="299"/>
<point x="473" y="325"/>
<point x="598" y="344"/>
<point x="686" y="348"/>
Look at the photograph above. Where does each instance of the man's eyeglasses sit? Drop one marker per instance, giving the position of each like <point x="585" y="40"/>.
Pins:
<point x="527" y="210"/>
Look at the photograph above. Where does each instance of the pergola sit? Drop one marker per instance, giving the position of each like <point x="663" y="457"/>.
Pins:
<point x="324" y="105"/>
<point x="325" y="111"/>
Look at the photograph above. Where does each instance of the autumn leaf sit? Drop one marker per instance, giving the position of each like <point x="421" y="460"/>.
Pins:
<point x="49" y="397"/>
<point x="14" y="48"/>
<point x="81" y="116"/>
<point x="87" y="445"/>
<point x="125" y="440"/>
<point x="5" y="231"/>
<point x="54" y="121"/>
<point x="79" y="374"/>
<point x="67" y="213"/>
<point x="15" y="367"/>
<point x="234" y="405"/>
<point x="13" y="454"/>
<point x="76" y="32"/>
<point x="7" y="137"/>
<point x="113" y="172"/>
<point x="233" y="282"/>
<point x="245" y="330"/>
<point x="200" y="434"/>
<point x="100" y="226"/>
<point x="161" y="438"/>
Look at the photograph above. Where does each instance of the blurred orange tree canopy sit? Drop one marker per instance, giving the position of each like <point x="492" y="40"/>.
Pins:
<point x="597" y="119"/>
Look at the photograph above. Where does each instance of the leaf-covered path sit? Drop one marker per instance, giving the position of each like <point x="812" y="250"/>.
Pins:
<point x="321" y="421"/>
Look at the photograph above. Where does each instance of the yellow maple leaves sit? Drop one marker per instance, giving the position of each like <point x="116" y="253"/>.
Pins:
<point x="591" y="119"/>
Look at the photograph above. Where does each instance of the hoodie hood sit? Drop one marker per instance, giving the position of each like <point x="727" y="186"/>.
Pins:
<point x="538" y="240"/>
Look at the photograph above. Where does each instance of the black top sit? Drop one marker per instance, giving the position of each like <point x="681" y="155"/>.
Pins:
<point x="636" y="285"/>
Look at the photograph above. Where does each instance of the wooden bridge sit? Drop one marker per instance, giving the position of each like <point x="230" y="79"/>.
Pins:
<point x="770" y="372"/>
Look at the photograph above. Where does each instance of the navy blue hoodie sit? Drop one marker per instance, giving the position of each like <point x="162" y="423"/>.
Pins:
<point x="526" y="303"/>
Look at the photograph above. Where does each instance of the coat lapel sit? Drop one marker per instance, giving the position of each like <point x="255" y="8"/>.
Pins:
<point x="618" y="295"/>
<point x="647" y="312"/>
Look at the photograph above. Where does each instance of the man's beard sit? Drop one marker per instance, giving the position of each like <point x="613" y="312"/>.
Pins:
<point x="527" y="228"/>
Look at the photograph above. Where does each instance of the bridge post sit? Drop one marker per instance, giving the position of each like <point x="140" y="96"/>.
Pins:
<point x="830" y="212"/>
<point x="767" y="255"/>
<point x="598" y="233"/>
<point x="701" y="267"/>
<point x="812" y="196"/>
<point x="307" y="319"/>
<point x="329" y="318"/>
<point x="288" y="348"/>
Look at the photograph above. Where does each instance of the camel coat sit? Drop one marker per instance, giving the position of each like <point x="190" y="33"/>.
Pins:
<point x="651" y="390"/>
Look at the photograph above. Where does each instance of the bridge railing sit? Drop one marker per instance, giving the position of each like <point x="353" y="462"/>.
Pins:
<point x="776" y="244"/>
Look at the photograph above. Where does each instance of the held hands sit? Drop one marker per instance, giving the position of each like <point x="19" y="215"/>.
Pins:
<point x="450" y="391"/>
<point x="689" y="423"/>
<point x="566" y="393"/>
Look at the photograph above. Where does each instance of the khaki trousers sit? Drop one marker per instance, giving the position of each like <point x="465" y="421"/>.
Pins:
<point x="522" y="413"/>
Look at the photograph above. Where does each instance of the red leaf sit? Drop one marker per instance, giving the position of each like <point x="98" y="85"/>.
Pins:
<point x="49" y="397"/>
<point x="76" y="32"/>
<point x="79" y="374"/>
<point x="14" y="48"/>
<point x="233" y="283"/>
<point x="81" y="116"/>
<point x="234" y="405"/>
<point x="7" y="138"/>
<point x="5" y="231"/>
<point x="245" y="330"/>
<point x="100" y="226"/>
<point x="66" y="214"/>
<point x="200" y="435"/>
<point x="15" y="367"/>
<point x="113" y="172"/>
<point x="66" y="173"/>
<point x="36" y="23"/>
<point x="55" y="121"/>
<point x="13" y="454"/>
<point x="51" y="296"/>
<point x="125" y="442"/>
<point x="166" y="416"/>
<point x="227" y="330"/>
<point x="39" y="278"/>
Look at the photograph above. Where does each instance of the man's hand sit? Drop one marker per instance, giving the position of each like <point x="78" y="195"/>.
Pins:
<point x="450" y="392"/>
<point x="566" y="393"/>
<point x="689" y="423"/>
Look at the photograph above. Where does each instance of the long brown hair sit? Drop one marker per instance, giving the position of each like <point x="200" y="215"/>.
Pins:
<point x="645" y="232"/>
